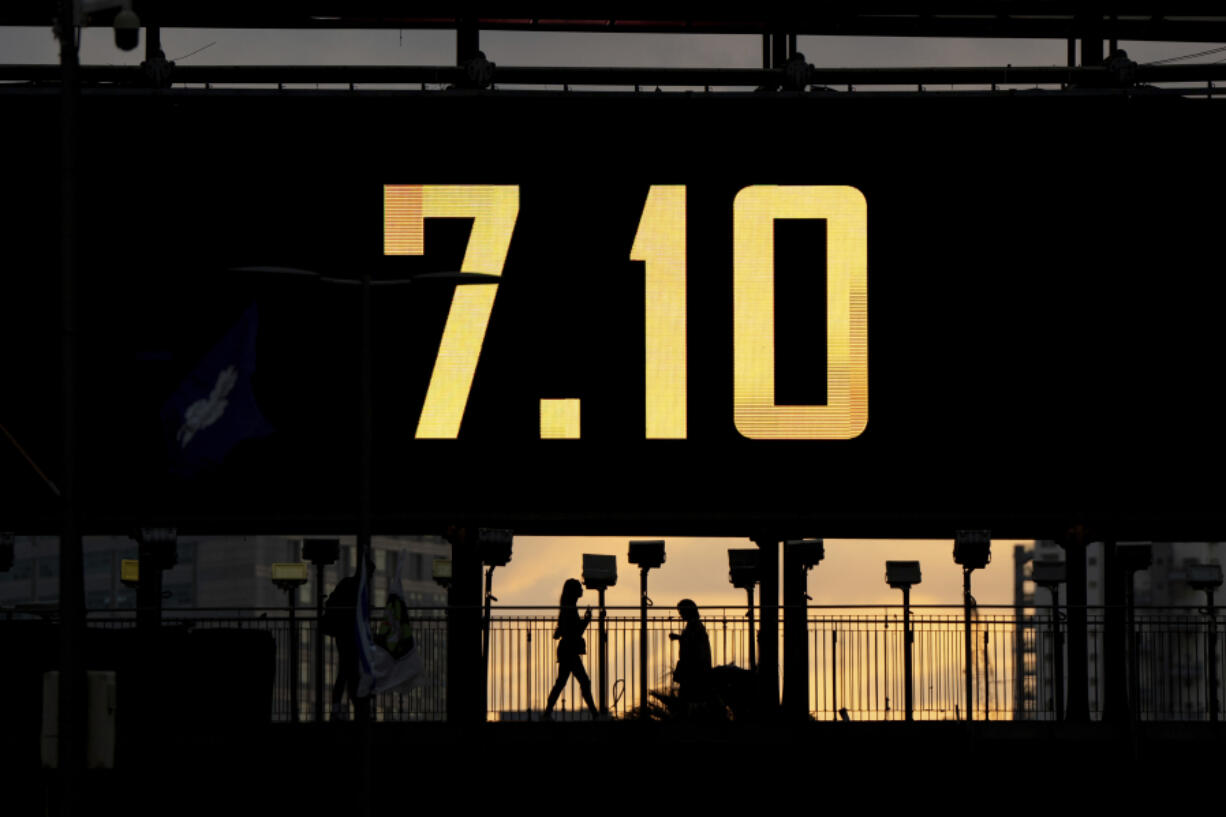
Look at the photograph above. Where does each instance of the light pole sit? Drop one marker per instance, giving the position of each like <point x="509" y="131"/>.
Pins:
<point x="901" y="576"/>
<point x="646" y="554"/>
<point x="289" y="576"/>
<point x="973" y="551"/>
<point x="1050" y="575"/>
<point x="799" y="557"/>
<point x="599" y="574"/>
<point x="743" y="572"/>
<point x="365" y="440"/>
<point x="1209" y="579"/>
<point x="494" y="548"/>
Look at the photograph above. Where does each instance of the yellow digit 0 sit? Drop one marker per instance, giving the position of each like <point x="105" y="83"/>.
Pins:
<point x="660" y="242"/>
<point x="493" y="209"/>
<point x="845" y="414"/>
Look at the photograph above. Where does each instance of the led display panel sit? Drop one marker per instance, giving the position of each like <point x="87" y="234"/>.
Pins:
<point x="816" y="314"/>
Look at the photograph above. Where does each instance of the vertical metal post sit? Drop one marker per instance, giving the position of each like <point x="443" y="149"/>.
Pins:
<point x="834" y="674"/>
<point x="365" y="432"/>
<point x="795" y="634"/>
<point x="468" y="40"/>
<point x="969" y="647"/>
<point x="907" y="640"/>
<point x="753" y="635"/>
<point x="1115" y="674"/>
<point x="293" y="653"/>
<point x="71" y="697"/>
<point x="1092" y="39"/>
<point x="1057" y="653"/>
<point x="779" y="49"/>
<point x="485" y="632"/>
<point x="319" y="643"/>
<point x="1074" y="545"/>
<point x="1134" y="663"/>
<point x="1212" y="656"/>
<point x="643" y="642"/>
<point x="604" y="658"/>
<point x="987" y="679"/>
<point x="153" y="42"/>
<point x="768" y="627"/>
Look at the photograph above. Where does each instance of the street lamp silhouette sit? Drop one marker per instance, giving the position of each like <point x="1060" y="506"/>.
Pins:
<point x="1208" y="578"/>
<point x="973" y="551"/>
<point x="599" y="574"/>
<point x="646" y="554"/>
<point x="289" y="576"/>
<point x="494" y="548"/>
<point x="1050" y="574"/>
<point x="901" y="576"/>
<point x="365" y="468"/>
<point x="743" y="572"/>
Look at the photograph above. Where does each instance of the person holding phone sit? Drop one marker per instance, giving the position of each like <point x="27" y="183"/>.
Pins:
<point x="571" y="647"/>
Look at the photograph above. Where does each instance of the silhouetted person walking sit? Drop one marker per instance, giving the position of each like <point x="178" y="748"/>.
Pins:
<point x="570" y="647"/>
<point x="693" y="672"/>
<point x="340" y="622"/>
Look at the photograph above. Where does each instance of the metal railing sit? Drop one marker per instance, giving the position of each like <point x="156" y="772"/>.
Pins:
<point x="855" y="660"/>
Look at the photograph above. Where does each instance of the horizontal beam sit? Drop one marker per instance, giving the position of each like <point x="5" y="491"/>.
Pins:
<point x="1122" y="20"/>
<point x="582" y="76"/>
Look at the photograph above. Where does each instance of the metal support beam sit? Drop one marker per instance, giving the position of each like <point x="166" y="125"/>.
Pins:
<point x="1115" y="663"/>
<point x="768" y="628"/>
<point x="1074" y="544"/>
<point x="795" y="635"/>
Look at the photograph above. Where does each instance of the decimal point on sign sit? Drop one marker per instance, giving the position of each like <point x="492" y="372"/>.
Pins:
<point x="560" y="418"/>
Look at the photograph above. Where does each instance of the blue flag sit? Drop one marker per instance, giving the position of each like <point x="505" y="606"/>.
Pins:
<point x="214" y="409"/>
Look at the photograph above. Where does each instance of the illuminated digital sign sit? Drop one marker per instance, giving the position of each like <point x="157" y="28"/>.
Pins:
<point x="660" y="244"/>
<point x="817" y="315"/>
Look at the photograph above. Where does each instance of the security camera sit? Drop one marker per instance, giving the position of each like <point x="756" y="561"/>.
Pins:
<point x="127" y="30"/>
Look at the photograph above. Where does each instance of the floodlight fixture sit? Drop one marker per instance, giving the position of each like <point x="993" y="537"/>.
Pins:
<point x="599" y="571"/>
<point x="158" y="546"/>
<point x="289" y="575"/>
<point x="440" y="571"/>
<point x="321" y="552"/>
<point x="900" y="575"/>
<point x="646" y="553"/>
<point x="810" y="551"/>
<point x="1203" y="577"/>
<point x="494" y="546"/>
<point x="1134" y="556"/>
<point x="1048" y="572"/>
<point x="973" y="549"/>
<point x="743" y="570"/>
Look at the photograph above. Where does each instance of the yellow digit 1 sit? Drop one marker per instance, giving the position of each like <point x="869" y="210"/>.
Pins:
<point x="660" y="242"/>
<point x="845" y="414"/>
<point x="493" y="209"/>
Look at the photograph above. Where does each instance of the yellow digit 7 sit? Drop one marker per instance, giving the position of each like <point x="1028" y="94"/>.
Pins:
<point x="754" y="211"/>
<point x="493" y="209"/>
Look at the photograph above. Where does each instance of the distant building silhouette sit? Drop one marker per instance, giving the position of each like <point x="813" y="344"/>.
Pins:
<point x="1172" y="683"/>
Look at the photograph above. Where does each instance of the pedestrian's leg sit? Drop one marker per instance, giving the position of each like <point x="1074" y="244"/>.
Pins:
<point x="558" y="686"/>
<point x="585" y="684"/>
